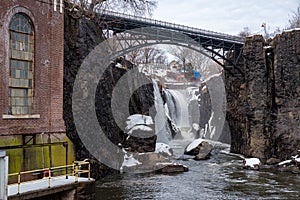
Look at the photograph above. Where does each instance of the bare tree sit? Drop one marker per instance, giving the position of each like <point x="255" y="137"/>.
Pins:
<point x="188" y="57"/>
<point x="89" y="7"/>
<point x="147" y="55"/>
<point x="294" y="21"/>
<point x="245" y="32"/>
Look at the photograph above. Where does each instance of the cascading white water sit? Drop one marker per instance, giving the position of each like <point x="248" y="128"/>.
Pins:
<point x="180" y="110"/>
<point x="162" y="129"/>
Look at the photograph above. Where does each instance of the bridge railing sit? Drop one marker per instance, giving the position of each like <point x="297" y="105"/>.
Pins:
<point x="171" y="25"/>
<point x="47" y="173"/>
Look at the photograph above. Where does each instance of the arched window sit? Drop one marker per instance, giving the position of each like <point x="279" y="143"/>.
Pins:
<point x="21" y="65"/>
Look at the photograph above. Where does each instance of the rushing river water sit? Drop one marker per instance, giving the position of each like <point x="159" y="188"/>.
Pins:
<point x="220" y="177"/>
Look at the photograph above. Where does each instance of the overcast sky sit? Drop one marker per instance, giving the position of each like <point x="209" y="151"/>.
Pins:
<point x="227" y="16"/>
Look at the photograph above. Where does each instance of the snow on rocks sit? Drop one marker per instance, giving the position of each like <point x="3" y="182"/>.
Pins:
<point x="194" y="144"/>
<point x="129" y="161"/>
<point x="252" y="163"/>
<point x="163" y="149"/>
<point x="290" y="165"/>
<point x="199" y="148"/>
<point x="138" y="119"/>
<point x="139" y="126"/>
<point x="150" y="161"/>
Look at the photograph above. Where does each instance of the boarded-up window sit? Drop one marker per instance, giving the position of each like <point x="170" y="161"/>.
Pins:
<point x="21" y="65"/>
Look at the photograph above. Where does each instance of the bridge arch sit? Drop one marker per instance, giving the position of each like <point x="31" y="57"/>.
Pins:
<point x="217" y="45"/>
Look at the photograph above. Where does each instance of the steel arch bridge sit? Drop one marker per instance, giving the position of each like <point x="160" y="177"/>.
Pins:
<point x="133" y="32"/>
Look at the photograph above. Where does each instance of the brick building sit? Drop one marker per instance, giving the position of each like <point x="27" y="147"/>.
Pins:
<point x="31" y="87"/>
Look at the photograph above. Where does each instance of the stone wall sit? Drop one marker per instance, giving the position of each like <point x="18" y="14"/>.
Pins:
<point x="264" y="106"/>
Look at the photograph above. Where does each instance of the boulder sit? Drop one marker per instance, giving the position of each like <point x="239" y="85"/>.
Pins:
<point x="172" y="168"/>
<point x="273" y="161"/>
<point x="292" y="165"/>
<point x="199" y="148"/>
<point x="150" y="162"/>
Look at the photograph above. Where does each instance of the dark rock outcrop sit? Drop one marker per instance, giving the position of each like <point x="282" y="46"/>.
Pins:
<point x="81" y="37"/>
<point x="264" y="105"/>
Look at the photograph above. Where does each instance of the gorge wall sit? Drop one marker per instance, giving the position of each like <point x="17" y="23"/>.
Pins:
<point x="81" y="37"/>
<point x="264" y="105"/>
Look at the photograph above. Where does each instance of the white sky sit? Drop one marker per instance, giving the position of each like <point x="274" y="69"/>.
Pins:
<point x="227" y="16"/>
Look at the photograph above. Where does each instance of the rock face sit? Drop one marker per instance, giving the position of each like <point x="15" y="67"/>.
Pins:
<point x="81" y="36"/>
<point x="264" y="105"/>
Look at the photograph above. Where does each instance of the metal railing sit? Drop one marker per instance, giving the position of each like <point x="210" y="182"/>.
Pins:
<point x="48" y="172"/>
<point x="234" y="38"/>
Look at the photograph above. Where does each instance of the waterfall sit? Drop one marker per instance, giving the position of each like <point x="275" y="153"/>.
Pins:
<point x="178" y="107"/>
<point x="162" y="128"/>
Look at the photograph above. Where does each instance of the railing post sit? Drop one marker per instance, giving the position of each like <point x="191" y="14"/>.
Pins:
<point x="76" y="172"/>
<point x="89" y="175"/>
<point x="19" y="182"/>
<point x="3" y="175"/>
<point x="49" y="177"/>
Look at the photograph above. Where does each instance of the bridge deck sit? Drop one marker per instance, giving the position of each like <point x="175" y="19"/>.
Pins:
<point x="126" y="22"/>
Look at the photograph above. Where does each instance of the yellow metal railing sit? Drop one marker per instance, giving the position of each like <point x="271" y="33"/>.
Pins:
<point x="47" y="172"/>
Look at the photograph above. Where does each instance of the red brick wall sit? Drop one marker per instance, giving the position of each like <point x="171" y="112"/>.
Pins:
<point x="48" y="66"/>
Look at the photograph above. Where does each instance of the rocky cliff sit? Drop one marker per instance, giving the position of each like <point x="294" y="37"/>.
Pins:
<point x="81" y="37"/>
<point x="264" y="105"/>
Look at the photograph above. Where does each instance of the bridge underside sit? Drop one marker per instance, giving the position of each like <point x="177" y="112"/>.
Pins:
<point x="131" y="34"/>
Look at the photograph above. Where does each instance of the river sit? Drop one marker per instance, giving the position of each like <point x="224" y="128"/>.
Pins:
<point x="220" y="177"/>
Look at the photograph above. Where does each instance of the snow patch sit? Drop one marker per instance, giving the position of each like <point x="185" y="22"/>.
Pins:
<point x="285" y="162"/>
<point x="196" y="126"/>
<point x="138" y="119"/>
<point x="129" y="161"/>
<point x="118" y="65"/>
<point x="268" y="47"/>
<point x="252" y="162"/>
<point x="290" y="30"/>
<point x="139" y="127"/>
<point x="194" y="144"/>
<point x="163" y="149"/>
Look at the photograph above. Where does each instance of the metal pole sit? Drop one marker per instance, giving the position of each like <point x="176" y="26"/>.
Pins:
<point x="3" y="175"/>
<point x="66" y="160"/>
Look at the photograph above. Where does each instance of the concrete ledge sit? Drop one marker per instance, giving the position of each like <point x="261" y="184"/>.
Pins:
<point x="36" y="116"/>
<point x="60" y="187"/>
